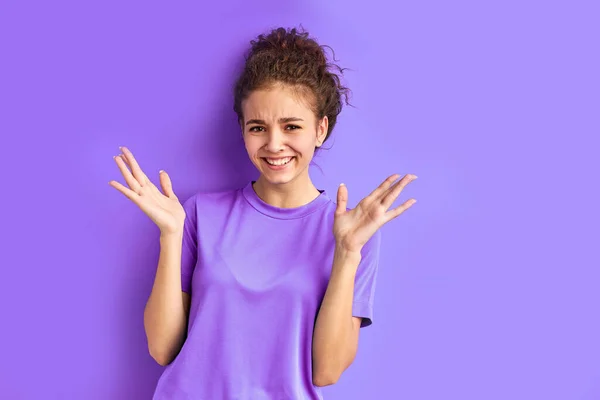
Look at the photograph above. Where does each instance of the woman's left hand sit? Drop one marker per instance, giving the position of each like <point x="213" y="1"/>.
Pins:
<point x="353" y="228"/>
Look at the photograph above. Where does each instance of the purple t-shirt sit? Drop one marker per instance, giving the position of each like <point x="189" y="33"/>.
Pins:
<point x="257" y="275"/>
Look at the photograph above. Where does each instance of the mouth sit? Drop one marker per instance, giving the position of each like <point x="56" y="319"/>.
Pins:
<point x="278" y="163"/>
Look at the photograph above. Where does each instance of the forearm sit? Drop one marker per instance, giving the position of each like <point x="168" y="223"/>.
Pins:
<point x="333" y="347"/>
<point x="165" y="319"/>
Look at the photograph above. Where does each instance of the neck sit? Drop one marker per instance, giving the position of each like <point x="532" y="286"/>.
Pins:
<point x="286" y="195"/>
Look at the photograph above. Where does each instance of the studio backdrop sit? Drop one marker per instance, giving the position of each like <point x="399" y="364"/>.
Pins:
<point x="485" y="286"/>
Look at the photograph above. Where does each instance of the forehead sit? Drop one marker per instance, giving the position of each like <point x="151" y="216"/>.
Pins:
<point x="275" y="103"/>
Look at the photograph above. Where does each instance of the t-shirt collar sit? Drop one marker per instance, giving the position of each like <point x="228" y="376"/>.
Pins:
<point x="283" y="213"/>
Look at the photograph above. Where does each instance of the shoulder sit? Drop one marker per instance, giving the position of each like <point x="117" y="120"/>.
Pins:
<point x="213" y="197"/>
<point x="206" y="202"/>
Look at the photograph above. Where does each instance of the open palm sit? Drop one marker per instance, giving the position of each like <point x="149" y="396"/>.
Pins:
<point x="353" y="228"/>
<point x="164" y="210"/>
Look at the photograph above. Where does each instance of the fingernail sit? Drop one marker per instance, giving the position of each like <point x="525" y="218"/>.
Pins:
<point x="341" y="184"/>
<point x="161" y="171"/>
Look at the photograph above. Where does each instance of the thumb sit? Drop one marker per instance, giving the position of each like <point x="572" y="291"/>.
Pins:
<point x="342" y="199"/>
<point x="166" y="184"/>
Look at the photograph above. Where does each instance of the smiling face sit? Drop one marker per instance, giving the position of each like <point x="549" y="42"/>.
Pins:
<point x="280" y="134"/>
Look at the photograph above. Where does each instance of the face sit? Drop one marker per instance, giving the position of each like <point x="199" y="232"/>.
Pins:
<point x="280" y="134"/>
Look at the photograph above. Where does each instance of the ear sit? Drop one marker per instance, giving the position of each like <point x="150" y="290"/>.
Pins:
<point x="322" y="130"/>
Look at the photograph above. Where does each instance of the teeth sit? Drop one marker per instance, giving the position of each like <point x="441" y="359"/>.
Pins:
<point x="281" y="161"/>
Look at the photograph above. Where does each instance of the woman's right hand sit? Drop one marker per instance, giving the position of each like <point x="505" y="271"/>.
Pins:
<point x="164" y="210"/>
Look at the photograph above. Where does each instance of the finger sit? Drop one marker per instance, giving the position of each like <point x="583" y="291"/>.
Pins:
<point x="130" y="194"/>
<point x="125" y="161"/>
<point x="393" y="213"/>
<point x="148" y="182"/>
<point x="129" y="179"/>
<point x="342" y="199"/>
<point x="135" y="167"/>
<point x="376" y="194"/>
<point x="392" y="194"/>
<point x="165" y="182"/>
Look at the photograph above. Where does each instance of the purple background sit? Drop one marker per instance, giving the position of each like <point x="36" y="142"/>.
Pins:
<point x="488" y="286"/>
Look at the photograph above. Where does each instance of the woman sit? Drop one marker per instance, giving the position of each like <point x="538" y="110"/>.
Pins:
<point x="260" y="292"/>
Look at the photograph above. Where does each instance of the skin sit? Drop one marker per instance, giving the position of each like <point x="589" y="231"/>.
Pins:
<point x="267" y="133"/>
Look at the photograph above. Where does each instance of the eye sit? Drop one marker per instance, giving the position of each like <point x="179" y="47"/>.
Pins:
<point x="293" y="126"/>
<point x="254" y="128"/>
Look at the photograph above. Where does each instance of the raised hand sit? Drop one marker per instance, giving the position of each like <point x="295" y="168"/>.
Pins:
<point x="353" y="228"/>
<point x="164" y="210"/>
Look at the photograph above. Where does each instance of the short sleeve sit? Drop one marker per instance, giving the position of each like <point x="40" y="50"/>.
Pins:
<point x="366" y="277"/>
<point x="189" y="249"/>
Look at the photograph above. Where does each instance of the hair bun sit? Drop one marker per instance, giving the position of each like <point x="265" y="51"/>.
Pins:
<point x="288" y="44"/>
<point x="292" y="58"/>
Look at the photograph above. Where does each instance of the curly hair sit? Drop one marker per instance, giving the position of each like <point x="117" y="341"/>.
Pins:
<point x="292" y="58"/>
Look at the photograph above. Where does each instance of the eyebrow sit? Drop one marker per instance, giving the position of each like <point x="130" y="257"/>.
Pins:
<point x="281" y="120"/>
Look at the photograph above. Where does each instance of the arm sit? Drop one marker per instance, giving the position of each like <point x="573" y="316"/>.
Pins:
<point x="335" y="339"/>
<point x="166" y="312"/>
<point x="167" y="309"/>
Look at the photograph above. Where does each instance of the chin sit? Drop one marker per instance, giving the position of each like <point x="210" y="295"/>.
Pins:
<point x="277" y="179"/>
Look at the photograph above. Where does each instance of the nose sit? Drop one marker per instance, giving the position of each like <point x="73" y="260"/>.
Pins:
<point x="275" y="141"/>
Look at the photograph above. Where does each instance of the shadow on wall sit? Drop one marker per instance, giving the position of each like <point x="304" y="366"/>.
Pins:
<point x="212" y="157"/>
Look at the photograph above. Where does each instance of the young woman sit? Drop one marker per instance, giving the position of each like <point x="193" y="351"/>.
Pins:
<point x="260" y="292"/>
